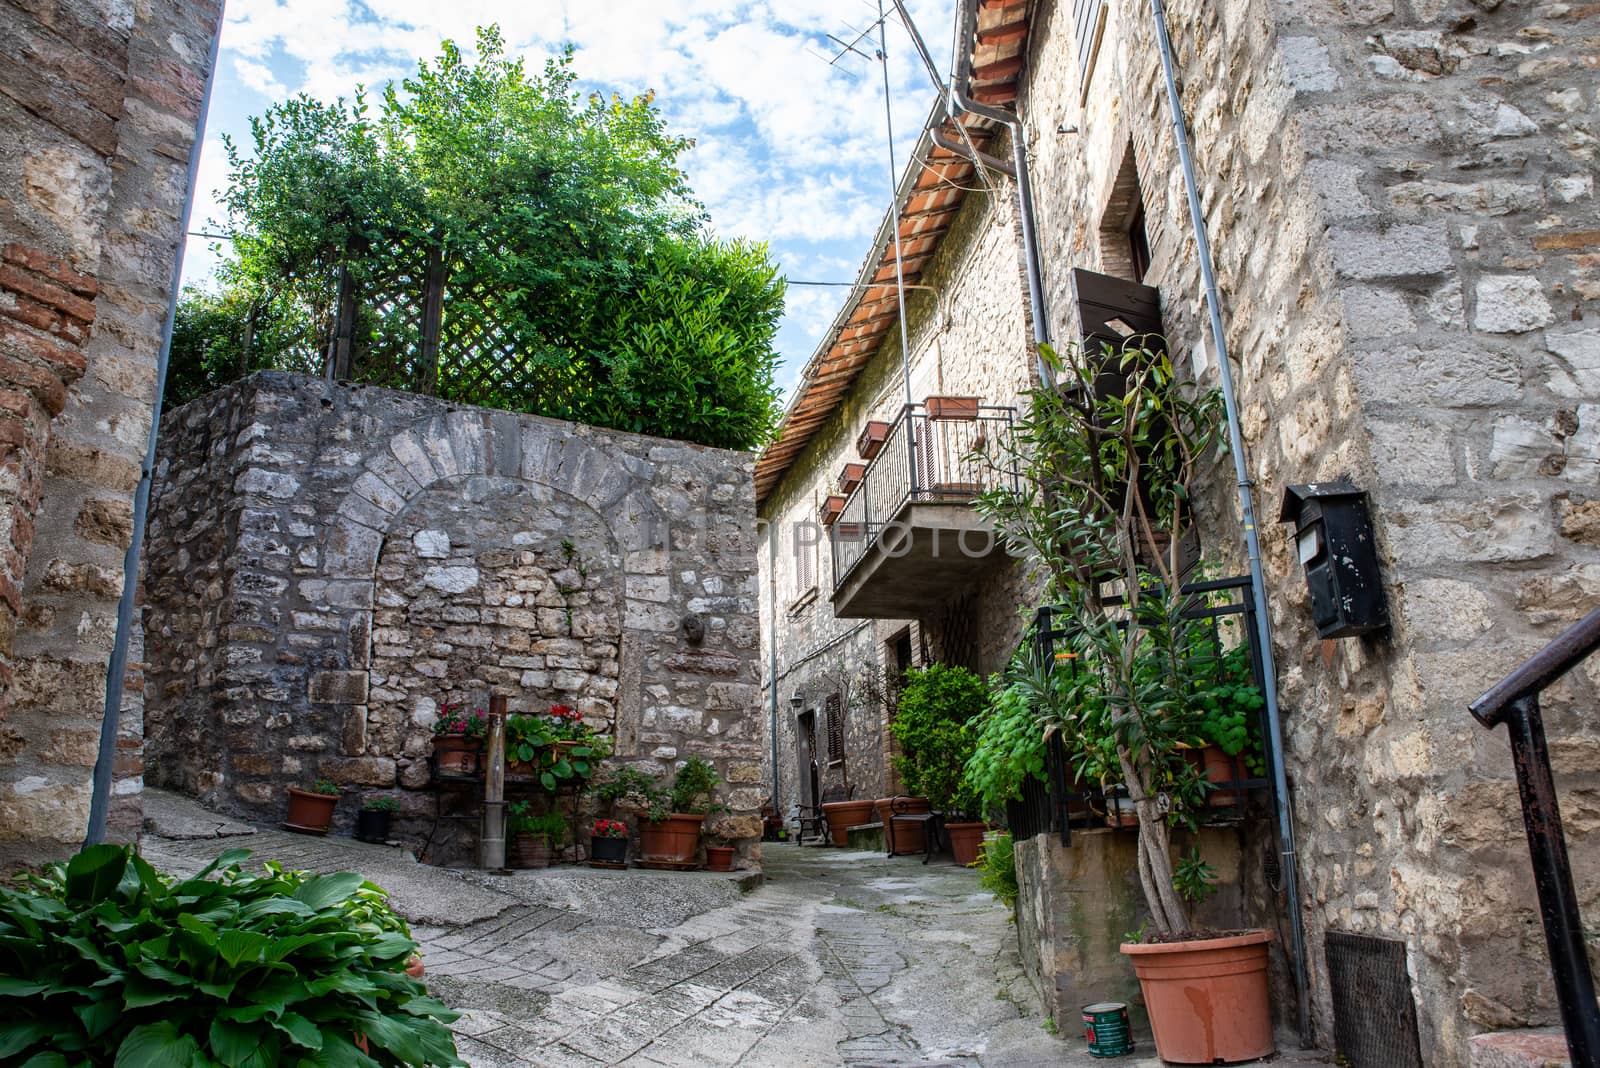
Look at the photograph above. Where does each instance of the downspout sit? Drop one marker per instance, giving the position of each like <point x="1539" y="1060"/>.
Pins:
<point x="1258" y="587"/>
<point x="994" y="163"/>
<point x="966" y="26"/>
<point x="100" y="798"/>
<point x="772" y="653"/>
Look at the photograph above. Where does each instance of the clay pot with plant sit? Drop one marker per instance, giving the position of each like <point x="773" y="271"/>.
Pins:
<point x="936" y="704"/>
<point x="1100" y="513"/>
<point x="311" y="810"/>
<point x="608" y="844"/>
<point x="671" y="817"/>
<point x="458" y="740"/>
<point x="533" y="835"/>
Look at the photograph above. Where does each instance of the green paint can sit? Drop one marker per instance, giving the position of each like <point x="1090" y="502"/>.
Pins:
<point x="1106" y="1027"/>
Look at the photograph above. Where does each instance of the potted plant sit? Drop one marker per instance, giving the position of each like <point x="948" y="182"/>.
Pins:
<point x="458" y="739"/>
<point x="719" y="855"/>
<point x="532" y="835"/>
<point x="1100" y="513"/>
<point x="669" y="836"/>
<point x="608" y="844"/>
<point x="555" y="749"/>
<point x="311" y="809"/>
<point x="931" y="724"/>
<point x="1228" y="707"/>
<point x="372" y="822"/>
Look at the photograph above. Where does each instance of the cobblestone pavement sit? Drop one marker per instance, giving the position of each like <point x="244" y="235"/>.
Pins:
<point x="839" y="958"/>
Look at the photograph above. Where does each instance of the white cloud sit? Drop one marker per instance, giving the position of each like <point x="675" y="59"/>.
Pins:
<point x="789" y="149"/>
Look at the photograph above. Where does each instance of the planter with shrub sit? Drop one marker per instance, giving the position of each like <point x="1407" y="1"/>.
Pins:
<point x="608" y="844"/>
<point x="533" y="835"/>
<point x="931" y="725"/>
<point x="458" y="740"/>
<point x="669" y="835"/>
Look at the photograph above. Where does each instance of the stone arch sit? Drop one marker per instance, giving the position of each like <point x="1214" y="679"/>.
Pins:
<point x="569" y="462"/>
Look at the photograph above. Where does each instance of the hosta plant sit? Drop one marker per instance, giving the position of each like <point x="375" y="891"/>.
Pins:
<point x="106" y="961"/>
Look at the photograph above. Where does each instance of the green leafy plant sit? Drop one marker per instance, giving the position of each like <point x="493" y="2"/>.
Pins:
<point x="1100" y="512"/>
<point x="105" y="960"/>
<point x="1195" y="879"/>
<point x="380" y="804"/>
<point x="1229" y="704"/>
<point x="694" y="786"/>
<point x="997" y="867"/>
<point x="693" y="790"/>
<point x="930" y="723"/>
<point x="1009" y="748"/>
<point x="522" y="819"/>
<point x="324" y="787"/>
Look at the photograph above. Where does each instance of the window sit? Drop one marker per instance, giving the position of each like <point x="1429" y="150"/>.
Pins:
<point x="1138" y="244"/>
<point x="804" y="534"/>
<point x="1089" y="23"/>
<point x="835" y="715"/>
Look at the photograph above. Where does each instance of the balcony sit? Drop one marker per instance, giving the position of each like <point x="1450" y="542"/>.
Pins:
<point x="908" y="538"/>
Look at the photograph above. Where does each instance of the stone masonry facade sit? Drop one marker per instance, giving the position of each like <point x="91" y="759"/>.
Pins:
<point x="329" y="564"/>
<point x="1400" y="196"/>
<point x="99" y="104"/>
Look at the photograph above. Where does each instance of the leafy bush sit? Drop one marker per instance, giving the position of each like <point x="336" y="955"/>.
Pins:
<point x="1229" y="706"/>
<point x="1009" y="748"/>
<point x="693" y="790"/>
<point x="543" y="825"/>
<point x="390" y="805"/>
<point x="997" y="867"/>
<point x="930" y="724"/>
<point x="693" y="786"/>
<point x="105" y="960"/>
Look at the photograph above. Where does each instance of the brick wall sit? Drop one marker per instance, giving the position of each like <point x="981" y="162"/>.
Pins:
<point x="99" y="104"/>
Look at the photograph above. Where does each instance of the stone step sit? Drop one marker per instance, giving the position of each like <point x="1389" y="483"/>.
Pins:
<point x="1541" y="1048"/>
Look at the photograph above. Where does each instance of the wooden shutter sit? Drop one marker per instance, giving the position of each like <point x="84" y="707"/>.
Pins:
<point x="835" y="728"/>
<point x="1088" y="22"/>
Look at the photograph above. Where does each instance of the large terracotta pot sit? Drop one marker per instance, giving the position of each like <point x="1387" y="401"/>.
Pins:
<point x="456" y="754"/>
<point x="907" y="837"/>
<point x="965" y="841"/>
<point x="674" y="841"/>
<point x="842" y="815"/>
<point x="1207" y="998"/>
<point x="309" y="813"/>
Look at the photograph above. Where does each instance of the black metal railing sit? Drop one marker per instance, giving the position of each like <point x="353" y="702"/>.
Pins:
<point x="1060" y="802"/>
<point x="922" y="460"/>
<point x="1514" y="701"/>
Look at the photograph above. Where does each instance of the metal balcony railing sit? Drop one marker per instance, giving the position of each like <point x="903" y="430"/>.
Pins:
<point x="923" y="460"/>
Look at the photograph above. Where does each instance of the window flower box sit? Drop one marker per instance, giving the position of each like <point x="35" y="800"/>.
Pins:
<point x="832" y="508"/>
<point x="873" y="435"/>
<point x="963" y="408"/>
<point x="851" y="477"/>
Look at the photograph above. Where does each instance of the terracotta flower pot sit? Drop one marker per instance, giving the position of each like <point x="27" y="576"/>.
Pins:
<point x="1207" y="998"/>
<point x="965" y="840"/>
<point x="674" y="842"/>
<point x="456" y="754"/>
<point x="719" y="858"/>
<point x="952" y="407"/>
<point x="907" y="837"/>
<point x="842" y="815"/>
<point x="530" y="851"/>
<point x="309" y="813"/>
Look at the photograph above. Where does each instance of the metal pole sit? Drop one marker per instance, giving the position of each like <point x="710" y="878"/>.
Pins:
<point x="1247" y="512"/>
<point x="117" y="668"/>
<point x="492" y="843"/>
<point x="899" y="259"/>
<point x="772" y="651"/>
<point x="1552" y="876"/>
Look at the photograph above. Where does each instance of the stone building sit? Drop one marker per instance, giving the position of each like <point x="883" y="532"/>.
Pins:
<point x="99" y="105"/>
<point x="1399" y="194"/>
<point x="328" y="564"/>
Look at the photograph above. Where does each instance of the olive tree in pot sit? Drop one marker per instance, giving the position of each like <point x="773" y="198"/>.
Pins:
<point x="931" y="726"/>
<point x="1099" y="513"/>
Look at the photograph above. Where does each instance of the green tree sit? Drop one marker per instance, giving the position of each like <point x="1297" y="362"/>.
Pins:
<point x="581" y="281"/>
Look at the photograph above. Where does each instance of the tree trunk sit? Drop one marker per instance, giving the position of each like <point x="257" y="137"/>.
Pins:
<point x="1167" y="911"/>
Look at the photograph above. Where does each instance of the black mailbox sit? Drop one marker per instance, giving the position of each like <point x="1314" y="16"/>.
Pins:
<point x="1333" y="535"/>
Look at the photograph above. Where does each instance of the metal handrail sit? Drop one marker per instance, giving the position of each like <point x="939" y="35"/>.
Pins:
<point x="922" y="460"/>
<point x="1514" y="701"/>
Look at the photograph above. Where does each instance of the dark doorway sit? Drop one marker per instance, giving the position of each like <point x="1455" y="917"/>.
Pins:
<point x="806" y="745"/>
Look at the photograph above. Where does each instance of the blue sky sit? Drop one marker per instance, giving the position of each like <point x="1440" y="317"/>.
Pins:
<point x="790" y="150"/>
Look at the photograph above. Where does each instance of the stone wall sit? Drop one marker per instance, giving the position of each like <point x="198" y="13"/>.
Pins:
<point x="99" y="102"/>
<point x="1400" y="200"/>
<point x="329" y="564"/>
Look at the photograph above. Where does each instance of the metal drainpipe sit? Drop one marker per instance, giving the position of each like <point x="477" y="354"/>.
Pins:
<point x="1247" y="511"/>
<point x="116" y="669"/>
<point x="772" y="651"/>
<point x="966" y="25"/>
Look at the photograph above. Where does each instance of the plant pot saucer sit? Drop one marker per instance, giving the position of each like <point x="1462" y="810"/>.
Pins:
<point x="614" y="865"/>
<point x="299" y="829"/>
<point x="667" y="865"/>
